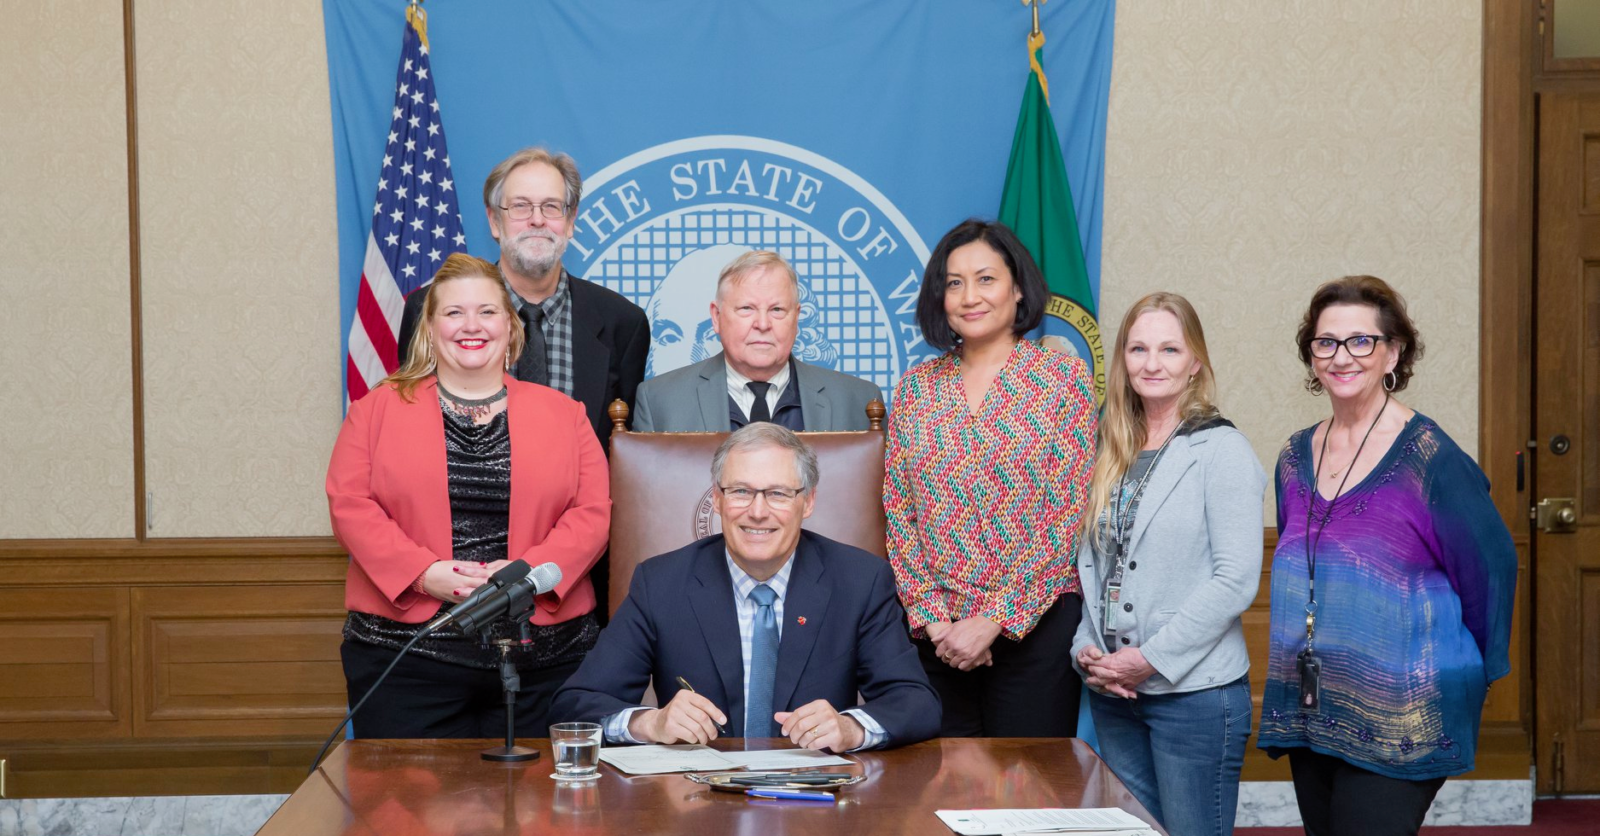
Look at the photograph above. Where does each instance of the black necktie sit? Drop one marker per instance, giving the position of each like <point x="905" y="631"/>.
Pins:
<point x="534" y="365"/>
<point x="759" y="410"/>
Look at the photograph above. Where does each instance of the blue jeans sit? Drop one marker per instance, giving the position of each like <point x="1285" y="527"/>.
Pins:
<point x="1179" y="754"/>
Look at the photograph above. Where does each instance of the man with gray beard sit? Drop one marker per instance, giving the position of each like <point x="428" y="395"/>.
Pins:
<point x="582" y="339"/>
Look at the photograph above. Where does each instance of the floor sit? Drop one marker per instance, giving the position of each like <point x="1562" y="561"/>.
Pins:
<point x="1551" y="817"/>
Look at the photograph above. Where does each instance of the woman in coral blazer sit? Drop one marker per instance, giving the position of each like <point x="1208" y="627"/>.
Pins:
<point x="443" y="474"/>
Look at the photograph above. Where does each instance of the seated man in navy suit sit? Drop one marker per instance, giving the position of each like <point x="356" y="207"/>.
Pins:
<point x="776" y="629"/>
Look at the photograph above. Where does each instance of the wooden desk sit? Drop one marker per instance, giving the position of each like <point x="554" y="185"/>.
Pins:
<point x="405" y="787"/>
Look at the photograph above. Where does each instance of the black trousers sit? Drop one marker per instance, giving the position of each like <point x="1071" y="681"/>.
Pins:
<point x="1031" y="690"/>
<point x="426" y="698"/>
<point x="1337" y="798"/>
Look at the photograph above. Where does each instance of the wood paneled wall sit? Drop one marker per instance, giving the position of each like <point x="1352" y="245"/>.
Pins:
<point x="212" y="667"/>
<point x="167" y="667"/>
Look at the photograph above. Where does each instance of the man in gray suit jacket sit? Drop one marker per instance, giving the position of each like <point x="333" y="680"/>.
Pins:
<point x="756" y="315"/>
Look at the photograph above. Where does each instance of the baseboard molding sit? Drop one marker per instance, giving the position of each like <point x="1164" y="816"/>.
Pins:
<point x="1460" y="802"/>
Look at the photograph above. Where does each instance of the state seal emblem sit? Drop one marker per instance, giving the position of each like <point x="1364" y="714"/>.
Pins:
<point x="658" y="225"/>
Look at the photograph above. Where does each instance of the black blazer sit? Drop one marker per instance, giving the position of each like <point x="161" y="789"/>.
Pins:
<point x="610" y="340"/>
<point x="843" y="633"/>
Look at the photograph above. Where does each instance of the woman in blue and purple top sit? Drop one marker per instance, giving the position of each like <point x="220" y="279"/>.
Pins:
<point x="1391" y="585"/>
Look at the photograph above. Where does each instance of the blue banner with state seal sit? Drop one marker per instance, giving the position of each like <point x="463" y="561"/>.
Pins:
<point x="847" y="135"/>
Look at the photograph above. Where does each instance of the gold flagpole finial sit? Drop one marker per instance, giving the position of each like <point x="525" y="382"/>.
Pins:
<point x="1035" y="4"/>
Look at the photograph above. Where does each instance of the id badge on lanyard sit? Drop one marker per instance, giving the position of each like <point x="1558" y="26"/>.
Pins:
<point x="1113" y="601"/>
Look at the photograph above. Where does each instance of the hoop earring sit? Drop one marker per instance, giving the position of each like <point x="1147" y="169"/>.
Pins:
<point x="1389" y="381"/>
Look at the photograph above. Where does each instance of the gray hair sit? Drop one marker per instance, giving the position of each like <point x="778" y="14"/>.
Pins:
<point x="494" y="186"/>
<point x="752" y="261"/>
<point x="766" y="434"/>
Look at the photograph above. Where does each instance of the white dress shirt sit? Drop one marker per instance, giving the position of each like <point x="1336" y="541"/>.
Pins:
<point x="745" y="398"/>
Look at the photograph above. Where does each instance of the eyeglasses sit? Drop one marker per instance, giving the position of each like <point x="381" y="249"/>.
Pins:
<point x="777" y="498"/>
<point x="1358" y="345"/>
<point x="523" y="210"/>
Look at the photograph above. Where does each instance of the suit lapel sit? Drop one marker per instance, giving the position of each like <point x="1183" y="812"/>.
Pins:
<point x="591" y="357"/>
<point x="815" y="409"/>
<point x="711" y="603"/>
<point x="1175" y="462"/>
<point x="806" y="597"/>
<point x="713" y="392"/>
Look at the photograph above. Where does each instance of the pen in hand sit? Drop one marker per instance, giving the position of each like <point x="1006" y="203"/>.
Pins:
<point x="684" y="684"/>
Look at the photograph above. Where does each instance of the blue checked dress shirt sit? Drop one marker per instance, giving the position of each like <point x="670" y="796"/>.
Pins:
<point x="616" y="726"/>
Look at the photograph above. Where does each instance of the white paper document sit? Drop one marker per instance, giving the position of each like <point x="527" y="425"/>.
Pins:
<point x="1044" y="820"/>
<point x="783" y="759"/>
<point x="656" y="760"/>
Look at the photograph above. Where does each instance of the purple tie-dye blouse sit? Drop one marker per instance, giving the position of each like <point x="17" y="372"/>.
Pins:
<point x="1415" y="579"/>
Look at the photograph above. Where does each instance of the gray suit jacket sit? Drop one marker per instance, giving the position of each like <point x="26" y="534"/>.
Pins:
<point x="694" y="399"/>
<point x="1196" y="541"/>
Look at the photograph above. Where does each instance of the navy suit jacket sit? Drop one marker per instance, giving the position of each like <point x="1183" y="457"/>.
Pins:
<point x="679" y="620"/>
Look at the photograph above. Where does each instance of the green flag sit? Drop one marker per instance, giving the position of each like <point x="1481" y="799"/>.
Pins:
<point x="1037" y="205"/>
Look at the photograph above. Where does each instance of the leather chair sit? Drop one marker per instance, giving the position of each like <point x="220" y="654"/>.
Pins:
<point x="661" y="491"/>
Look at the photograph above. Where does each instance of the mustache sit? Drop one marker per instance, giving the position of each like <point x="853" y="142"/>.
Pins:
<point x="534" y="235"/>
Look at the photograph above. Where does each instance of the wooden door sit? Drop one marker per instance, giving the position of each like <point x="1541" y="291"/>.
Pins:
<point x="1566" y="424"/>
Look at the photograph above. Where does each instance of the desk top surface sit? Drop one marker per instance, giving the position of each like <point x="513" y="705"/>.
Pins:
<point x="403" y="787"/>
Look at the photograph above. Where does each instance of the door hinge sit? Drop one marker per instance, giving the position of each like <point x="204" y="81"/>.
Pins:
<point x="1558" y="762"/>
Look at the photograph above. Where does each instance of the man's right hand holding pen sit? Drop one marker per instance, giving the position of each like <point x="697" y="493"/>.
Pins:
<point x="687" y="718"/>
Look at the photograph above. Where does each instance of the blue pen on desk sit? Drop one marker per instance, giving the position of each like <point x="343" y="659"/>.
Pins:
<point x="792" y="795"/>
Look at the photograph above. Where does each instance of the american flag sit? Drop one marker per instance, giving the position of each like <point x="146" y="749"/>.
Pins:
<point x="416" y="222"/>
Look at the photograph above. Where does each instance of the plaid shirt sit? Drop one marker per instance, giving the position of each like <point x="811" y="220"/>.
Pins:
<point x="557" y="332"/>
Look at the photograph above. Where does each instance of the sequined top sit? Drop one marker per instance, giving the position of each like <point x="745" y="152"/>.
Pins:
<point x="983" y="509"/>
<point x="478" y="457"/>
<point x="1415" y="579"/>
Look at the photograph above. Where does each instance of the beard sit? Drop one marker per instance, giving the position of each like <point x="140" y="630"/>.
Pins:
<point x="535" y="252"/>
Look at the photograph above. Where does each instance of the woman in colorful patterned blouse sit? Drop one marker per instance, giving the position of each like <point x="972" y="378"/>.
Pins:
<point x="1391" y="586"/>
<point x="987" y="468"/>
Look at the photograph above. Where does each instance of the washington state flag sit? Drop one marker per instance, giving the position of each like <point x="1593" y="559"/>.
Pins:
<point x="1037" y="204"/>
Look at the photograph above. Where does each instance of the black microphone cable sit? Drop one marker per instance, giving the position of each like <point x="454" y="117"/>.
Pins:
<point x="317" y="761"/>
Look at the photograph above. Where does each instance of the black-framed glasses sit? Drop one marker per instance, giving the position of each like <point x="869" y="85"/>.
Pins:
<point x="740" y="496"/>
<point x="522" y="210"/>
<point x="1358" y="345"/>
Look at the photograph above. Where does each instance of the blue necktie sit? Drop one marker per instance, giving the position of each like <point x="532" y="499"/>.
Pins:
<point x="763" y="666"/>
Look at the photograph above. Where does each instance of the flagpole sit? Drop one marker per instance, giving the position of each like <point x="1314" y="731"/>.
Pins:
<point x="1035" y="5"/>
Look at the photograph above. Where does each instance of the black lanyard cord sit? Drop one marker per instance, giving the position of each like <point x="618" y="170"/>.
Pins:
<point x="1314" y="538"/>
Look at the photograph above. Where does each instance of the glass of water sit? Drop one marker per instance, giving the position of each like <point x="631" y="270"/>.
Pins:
<point x="577" y="749"/>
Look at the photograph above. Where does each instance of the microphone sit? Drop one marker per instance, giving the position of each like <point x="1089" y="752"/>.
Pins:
<point x="509" y="574"/>
<point x="514" y="598"/>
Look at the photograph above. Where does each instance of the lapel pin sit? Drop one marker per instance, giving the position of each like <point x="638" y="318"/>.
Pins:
<point x="801" y="621"/>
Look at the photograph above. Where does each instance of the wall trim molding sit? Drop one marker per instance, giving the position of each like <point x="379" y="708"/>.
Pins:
<point x="135" y="303"/>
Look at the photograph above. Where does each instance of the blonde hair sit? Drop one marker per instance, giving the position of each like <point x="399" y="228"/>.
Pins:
<point x="1122" y="423"/>
<point x="421" y="363"/>
<point x="752" y="261"/>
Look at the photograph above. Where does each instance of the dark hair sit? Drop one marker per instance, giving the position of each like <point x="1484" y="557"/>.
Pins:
<point x="931" y="318"/>
<point x="1393" y="321"/>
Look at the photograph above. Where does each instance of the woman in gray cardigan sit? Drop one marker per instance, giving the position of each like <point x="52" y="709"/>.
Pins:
<point x="1173" y="558"/>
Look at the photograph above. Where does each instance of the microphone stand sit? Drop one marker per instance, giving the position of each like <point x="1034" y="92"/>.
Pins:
<point x="511" y="682"/>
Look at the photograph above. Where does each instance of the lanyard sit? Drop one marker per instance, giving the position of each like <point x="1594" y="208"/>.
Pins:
<point x="1119" y="523"/>
<point x="1314" y="538"/>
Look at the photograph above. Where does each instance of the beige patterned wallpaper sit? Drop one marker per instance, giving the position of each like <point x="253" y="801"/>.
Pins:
<point x="66" y="421"/>
<point x="240" y="266"/>
<point x="1256" y="148"/>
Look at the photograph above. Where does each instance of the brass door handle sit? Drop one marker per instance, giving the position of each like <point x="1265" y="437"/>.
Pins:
<point x="1556" y="515"/>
